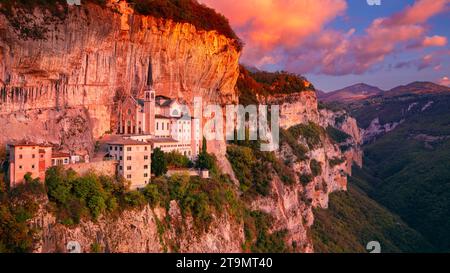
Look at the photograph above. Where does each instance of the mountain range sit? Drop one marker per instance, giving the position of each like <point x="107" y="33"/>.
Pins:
<point x="406" y="132"/>
<point x="362" y="91"/>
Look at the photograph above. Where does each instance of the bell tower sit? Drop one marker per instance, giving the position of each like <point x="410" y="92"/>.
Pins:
<point x="149" y="102"/>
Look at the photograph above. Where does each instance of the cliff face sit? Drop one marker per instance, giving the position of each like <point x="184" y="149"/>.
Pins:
<point x="64" y="90"/>
<point x="96" y="55"/>
<point x="140" y="231"/>
<point x="291" y="206"/>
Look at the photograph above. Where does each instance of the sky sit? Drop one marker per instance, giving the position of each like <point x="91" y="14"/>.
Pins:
<point x="337" y="43"/>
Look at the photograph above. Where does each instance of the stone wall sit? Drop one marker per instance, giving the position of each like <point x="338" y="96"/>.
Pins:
<point x="99" y="167"/>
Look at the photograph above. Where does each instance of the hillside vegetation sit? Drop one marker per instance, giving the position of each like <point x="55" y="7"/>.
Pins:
<point x="413" y="162"/>
<point x="407" y="170"/>
<point x="262" y="83"/>
<point x="353" y="219"/>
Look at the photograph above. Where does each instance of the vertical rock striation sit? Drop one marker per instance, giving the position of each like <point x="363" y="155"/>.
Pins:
<point x="95" y="56"/>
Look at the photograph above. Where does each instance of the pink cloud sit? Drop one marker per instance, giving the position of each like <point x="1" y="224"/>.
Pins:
<point x="444" y="81"/>
<point x="434" y="41"/>
<point x="293" y="34"/>
<point x="265" y="25"/>
<point x="350" y="54"/>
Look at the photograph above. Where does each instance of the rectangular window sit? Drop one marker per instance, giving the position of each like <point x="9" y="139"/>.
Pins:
<point x="32" y="167"/>
<point x="145" y="157"/>
<point x="129" y="176"/>
<point x="33" y="156"/>
<point x="115" y="148"/>
<point x="20" y="156"/>
<point x="110" y="148"/>
<point x="129" y="149"/>
<point x="145" y="167"/>
<point x="20" y="167"/>
<point x="145" y="174"/>
<point x="157" y="126"/>
<point x="120" y="168"/>
<point x="128" y="157"/>
<point x="120" y="158"/>
<point x="121" y="149"/>
<point x="129" y="168"/>
<point x="162" y="124"/>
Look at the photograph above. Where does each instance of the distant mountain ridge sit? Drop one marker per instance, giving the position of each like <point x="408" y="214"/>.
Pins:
<point x="418" y="88"/>
<point x="362" y="91"/>
<point x="354" y="92"/>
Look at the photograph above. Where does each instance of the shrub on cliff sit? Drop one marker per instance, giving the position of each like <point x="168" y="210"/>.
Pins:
<point x="252" y="173"/>
<point x="159" y="162"/>
<point x="316" y="167"/>
<point x="175" y="159"/>
<point x="337" y="135"/>
<point x="17" y="207"/>
<point x="262" y="83"/>
<point x="298" y="149"/>
<point x="335" y="161"/>
<point x="188" y="11"/>
<point x="311" y="132"/>
<point x="259" y="238"/>
<point x="90" y="195"/>
<point x="305" y="178"/>
<point x="197" y="197"/>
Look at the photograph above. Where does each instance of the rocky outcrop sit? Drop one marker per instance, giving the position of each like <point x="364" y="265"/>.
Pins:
<point x="352" y="146"/>
<point x="139" y="231"/>
<point x="376" y="129"/>
<point x="295" y="108"/>
<point x="292" y="205"/>
<point x="96" y="55"/>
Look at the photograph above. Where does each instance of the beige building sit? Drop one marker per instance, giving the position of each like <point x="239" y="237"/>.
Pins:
<point x="28" y="158"/>
<point x="134" y="159"/>
<point x="59" y="159"/>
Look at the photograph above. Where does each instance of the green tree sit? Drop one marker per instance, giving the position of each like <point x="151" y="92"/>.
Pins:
<point x="159" y="162"/>
<point x="176" y="160"/>
<point x="58" y="186"/>
<point x="152" y="195"/>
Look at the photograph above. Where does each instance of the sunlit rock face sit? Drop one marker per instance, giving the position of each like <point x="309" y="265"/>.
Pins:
<point x="95" y="56"/>
<point x="292" y="205"/>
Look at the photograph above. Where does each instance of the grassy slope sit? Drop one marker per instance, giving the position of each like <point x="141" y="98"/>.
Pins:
<point x="353" y="219"/>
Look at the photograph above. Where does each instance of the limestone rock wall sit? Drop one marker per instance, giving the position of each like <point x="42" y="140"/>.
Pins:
<point x="95" y="56"/>
<point x="139" y="231"/>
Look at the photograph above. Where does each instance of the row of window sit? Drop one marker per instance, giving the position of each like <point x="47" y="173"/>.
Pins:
<point x="146" y="157"/>
<point x="162" y="125"/>
<point x="129" y="168"/>
<point x="129" y="149"/>
<point x="129" y="176"/>
<point x="20" y="156"/>
<point x="32" y="167"/>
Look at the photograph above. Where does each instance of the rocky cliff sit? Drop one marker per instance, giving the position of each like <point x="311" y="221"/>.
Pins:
<point x="64" y="90"/>
<point x="95" y="55"/>
<point x="292" y="205"/>
<point x="139" y="231"/>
